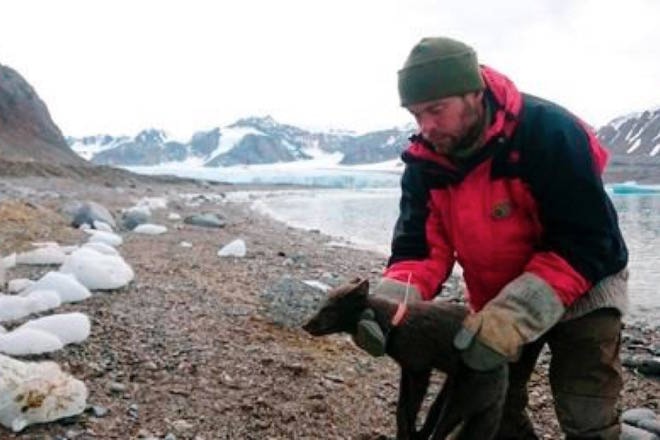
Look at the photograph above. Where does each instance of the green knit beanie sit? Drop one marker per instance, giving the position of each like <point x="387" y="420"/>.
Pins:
<point x="437" y="68"/>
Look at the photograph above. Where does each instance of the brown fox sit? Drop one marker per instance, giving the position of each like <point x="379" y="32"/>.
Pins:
<point x="421" y="342"/>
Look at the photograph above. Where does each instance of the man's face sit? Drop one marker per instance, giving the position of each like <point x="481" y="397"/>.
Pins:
<point x="446" y="122"/>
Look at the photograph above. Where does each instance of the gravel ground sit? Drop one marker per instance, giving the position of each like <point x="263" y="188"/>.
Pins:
<point x="202" y="347"/>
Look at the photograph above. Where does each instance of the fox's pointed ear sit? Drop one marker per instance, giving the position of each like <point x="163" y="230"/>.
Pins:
<point x="363" y="286"/>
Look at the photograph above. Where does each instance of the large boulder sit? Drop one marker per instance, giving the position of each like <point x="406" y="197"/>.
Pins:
<point x="291" y="302"/>
<point x="205" y="220"/>
<point x="135" y="216"/>
<point x="86" y="213"/>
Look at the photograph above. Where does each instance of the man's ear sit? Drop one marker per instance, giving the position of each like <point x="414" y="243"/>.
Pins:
<point x="475" y="96"/>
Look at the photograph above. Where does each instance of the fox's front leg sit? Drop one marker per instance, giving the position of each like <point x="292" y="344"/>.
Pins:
<point x="412" y="389"/>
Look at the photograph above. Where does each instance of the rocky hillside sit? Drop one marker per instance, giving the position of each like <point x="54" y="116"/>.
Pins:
<point x="27" y="132"/>
<point x="634" y="144"/>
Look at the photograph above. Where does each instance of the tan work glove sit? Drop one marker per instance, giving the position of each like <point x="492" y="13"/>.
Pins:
<point x="369" y="335"/>
<point x="524" y="310"/>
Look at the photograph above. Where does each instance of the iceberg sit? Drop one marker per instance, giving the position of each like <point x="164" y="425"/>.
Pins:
<point x="37" y="392"/>
<point x="67" y="287"/>
<point x="21" y="342"/>
<point x="632" y="187"/>
<point x="45" y="255"/>
<point x="95" y="270"/>
<point x="69" y="328"/>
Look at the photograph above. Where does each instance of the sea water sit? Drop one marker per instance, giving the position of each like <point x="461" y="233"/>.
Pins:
<point x="366" y="218"/>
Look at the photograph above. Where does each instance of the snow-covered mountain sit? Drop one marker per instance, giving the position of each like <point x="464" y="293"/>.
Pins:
<point x="149" y="147"/>
<point x="634" y="143"/>
<point x="637" y="134"/>
<point x="249" y="141"/>
<point x="633" y="140"/>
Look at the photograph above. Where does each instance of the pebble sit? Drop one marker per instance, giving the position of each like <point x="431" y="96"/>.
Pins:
<point x="117" y="387"/>
<point x="150" y="365"/>
<point x="133" y="411"/>
<point x="655" y="349"/>
<point x="182" y="425"/>
<point x="170" y="436"/>
<point x="143" y="433"/>
<point x="99" y="411"/>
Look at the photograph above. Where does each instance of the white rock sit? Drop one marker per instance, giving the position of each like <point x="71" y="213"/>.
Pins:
<point x="102" y="226"/>
<point x="2" y="330"/>
<point x="9" y="261"/>
<point x="234" y="249"/>
<point x="46" y="255"/>
<point x="186" y="244"/>
<point x="150" y="229"/>
<point x="174" y="216"/>
<point x="37" y="392"/>
<point x="70" y="328"/>
<point x="15" y="286"/>
<point x="68" y="288"/>
<point x="153" y="202"/>
<point x="101" y="248"/>
<point x="109" y="238"/>
<point x="45" y="299"/>
<point x="98" y="271"/>
<point x="28" y="341"/>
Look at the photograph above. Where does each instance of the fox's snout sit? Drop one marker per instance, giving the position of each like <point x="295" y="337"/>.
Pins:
<point x="309" y="327"/>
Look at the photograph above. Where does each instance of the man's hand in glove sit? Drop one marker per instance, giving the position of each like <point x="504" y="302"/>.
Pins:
<point x="524" y="310"/>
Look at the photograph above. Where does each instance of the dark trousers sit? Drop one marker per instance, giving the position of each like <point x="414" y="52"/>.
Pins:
<point x="585" y="377"/>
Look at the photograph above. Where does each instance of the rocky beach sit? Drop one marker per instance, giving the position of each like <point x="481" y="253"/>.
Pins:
<point x="200" y="346"/>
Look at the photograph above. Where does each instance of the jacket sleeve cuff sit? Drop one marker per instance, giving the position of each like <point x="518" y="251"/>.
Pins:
<point x="396" y="290"/>
<point x="425" y="285"/>
<point x="566" y="282"/>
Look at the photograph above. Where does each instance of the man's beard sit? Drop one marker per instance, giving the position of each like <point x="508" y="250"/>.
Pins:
<point x="450" y="144"/>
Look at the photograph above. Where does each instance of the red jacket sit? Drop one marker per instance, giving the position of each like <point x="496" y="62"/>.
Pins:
<point x="531" y="200"/>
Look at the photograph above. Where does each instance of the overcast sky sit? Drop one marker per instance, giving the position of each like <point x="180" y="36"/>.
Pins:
<point x="123" y="65"/>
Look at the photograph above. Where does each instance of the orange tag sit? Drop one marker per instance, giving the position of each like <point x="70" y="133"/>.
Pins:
<point x="400" y="314"/>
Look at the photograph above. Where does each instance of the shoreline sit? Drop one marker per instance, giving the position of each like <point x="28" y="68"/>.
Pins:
<point x="194" y="353"/>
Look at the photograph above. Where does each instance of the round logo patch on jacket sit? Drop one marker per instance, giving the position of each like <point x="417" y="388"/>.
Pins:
<point x="501" y="209"/>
